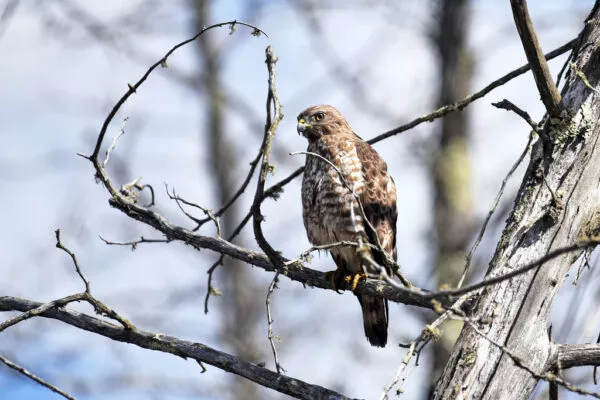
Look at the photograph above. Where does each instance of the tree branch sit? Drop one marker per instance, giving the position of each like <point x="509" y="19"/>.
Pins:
<point x="270" y="128"/>
<point x="539" y="66"/>
<point x="182" y="348"/>
<point x="576" y="355"/>
<point x="35" y="378"/>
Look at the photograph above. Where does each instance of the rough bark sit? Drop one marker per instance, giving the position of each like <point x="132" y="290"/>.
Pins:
<point x="557" y="205"/>
<point x="451" y="167"/>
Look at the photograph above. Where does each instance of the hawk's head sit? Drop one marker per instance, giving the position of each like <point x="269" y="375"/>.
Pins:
<point x="317" y="121"/>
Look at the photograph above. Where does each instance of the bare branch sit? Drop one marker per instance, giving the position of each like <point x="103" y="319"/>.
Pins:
<point x="512" y="170"/>
<point x="114" y="142"/>
<point x="539" y="66"/>
<point x="133" y="243"/>
<point x="35" y="378"/>
<point x="518" y="271"/>
<point x="161" y="62"/>
<point x="270" y="128"/>
<point x="459" y="105"/>
<point x="99" y="306"/>
<point x="270" y="335"/>
<point x="74" y="258"/>
<point x="577" y="355"/>
<point x="509" y="106"/>
<point x="182" y="348"/>
<point x="42" y="308"/>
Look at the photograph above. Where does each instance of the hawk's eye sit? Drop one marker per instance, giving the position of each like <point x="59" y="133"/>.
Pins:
<point x="319" y="116"/>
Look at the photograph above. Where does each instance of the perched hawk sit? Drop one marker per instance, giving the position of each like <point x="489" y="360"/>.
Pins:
<point x="331" y="213"/>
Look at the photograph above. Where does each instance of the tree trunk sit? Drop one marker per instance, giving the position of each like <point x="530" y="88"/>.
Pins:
<point x="451" y="168"/>
<point x="241" y="310"/>
<point x="557" y="205"/>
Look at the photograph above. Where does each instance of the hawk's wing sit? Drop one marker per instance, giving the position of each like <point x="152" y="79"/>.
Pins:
<point x="378" y="199"/>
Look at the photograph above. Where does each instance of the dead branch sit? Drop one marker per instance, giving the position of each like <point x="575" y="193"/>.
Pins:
<point x="576" y="355"/>
<point x="182" y="348"/>
<point x="35" y="378"/>
<point x="537" y="61"/>
<point x="270" y="128"/>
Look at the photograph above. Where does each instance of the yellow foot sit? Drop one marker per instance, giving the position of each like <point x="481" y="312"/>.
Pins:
<point x="354" y="279"/>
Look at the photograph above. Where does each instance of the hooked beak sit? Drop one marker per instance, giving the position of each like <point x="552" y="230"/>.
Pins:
<point x="302" y="126"/>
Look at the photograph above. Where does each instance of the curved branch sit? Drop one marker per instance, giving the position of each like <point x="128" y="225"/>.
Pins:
<point x="182" y="348"/>
<point x="270" y="129"/>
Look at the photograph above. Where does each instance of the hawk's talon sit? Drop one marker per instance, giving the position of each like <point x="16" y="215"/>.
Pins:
<point x="354" y="279"/>
<point x="337" y="279"/>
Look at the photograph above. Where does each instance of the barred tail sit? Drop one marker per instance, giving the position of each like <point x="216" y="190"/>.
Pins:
<point x="375" y="318"/>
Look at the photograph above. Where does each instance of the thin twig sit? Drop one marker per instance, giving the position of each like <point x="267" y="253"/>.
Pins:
<point x="517" y="271"/>
<point x="431" y="331"/>
<point x="401" y="369"/>
<point x="35" y="378"/>
<point x="133" y="88"/>
<point x="210" y="216"/>
<point x="74" y="258"/>
<point x="210" y="290"/>
<point x="270" y="335"/>
<point x="459" y="105"/>
<point x="114" y="142"/>
<point x="99" y="306"/>
<point x="514" y="167"/>
<point x="243" y="186"/>
<point x="134" y="243"/>
<point x="541" y="73"/>
<point x="509" y="106"/>
<point x="304" y="256"/>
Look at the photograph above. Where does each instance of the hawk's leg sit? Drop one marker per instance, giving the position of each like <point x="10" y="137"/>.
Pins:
<point x="338" y="279"/>
<point x="353" y="279"/>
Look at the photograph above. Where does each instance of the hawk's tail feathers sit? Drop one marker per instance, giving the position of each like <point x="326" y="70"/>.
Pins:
<point x="375" y="319"/>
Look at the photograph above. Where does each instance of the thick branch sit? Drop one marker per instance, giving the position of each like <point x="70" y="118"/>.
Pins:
<point x="295" y="271"/>
<point x="178" y="347"/>
<point x="539" y="66"/>
<point x="576" y="355"/>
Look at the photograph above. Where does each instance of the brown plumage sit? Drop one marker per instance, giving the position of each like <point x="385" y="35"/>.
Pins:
<point x="330" y="211"/>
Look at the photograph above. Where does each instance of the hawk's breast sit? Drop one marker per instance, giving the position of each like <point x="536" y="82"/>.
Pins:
<point x="330" y="211"/>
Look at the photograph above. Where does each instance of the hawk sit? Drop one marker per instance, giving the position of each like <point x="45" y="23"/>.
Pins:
<point x="332" y="214"/>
